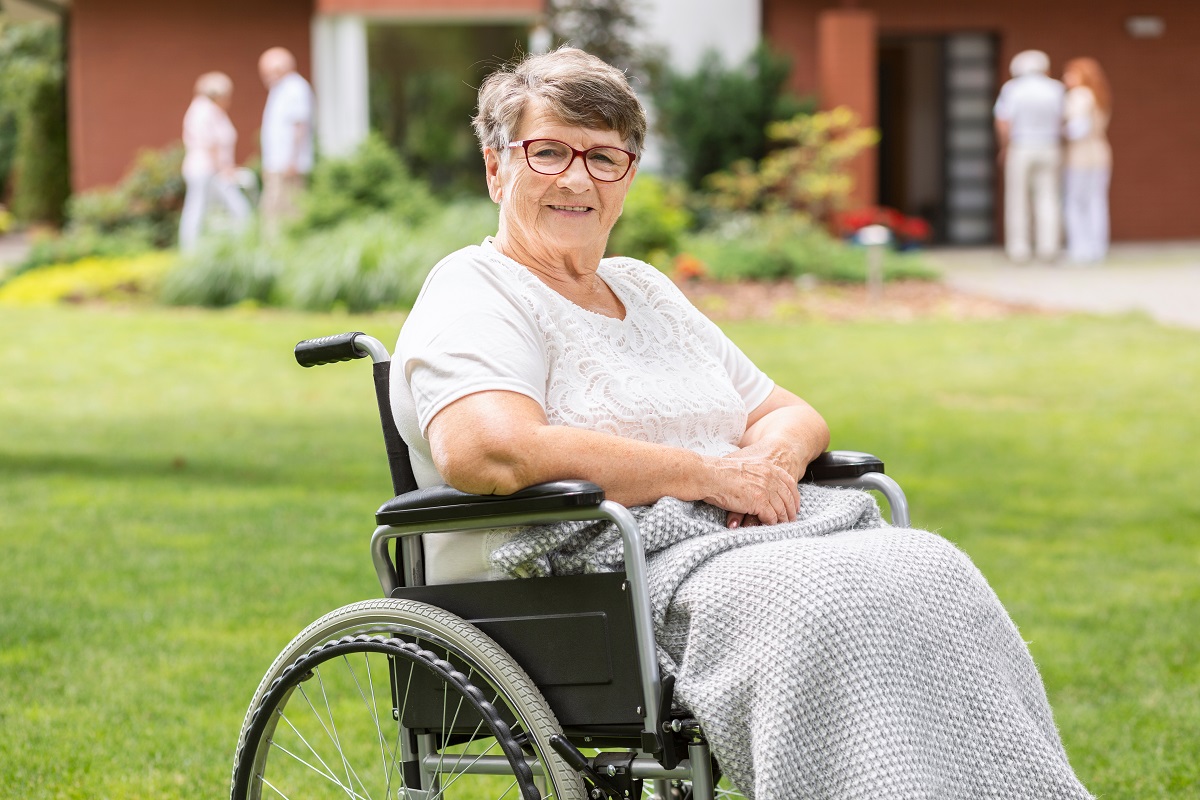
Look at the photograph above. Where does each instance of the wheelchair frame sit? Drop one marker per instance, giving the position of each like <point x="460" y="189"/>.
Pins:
<point x="662" y="739"/>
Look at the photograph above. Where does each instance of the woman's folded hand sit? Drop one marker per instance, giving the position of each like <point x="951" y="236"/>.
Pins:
<point x="753" y="489"/>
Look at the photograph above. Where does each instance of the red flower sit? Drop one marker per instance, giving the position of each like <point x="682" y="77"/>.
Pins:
<point x="689" y="268"/>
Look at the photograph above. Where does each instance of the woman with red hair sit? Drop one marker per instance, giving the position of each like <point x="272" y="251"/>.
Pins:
<point x="1088" y="161"/>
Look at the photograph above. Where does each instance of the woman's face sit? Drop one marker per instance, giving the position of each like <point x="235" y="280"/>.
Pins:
<point x="1072" y="79"/>
<point x="568" y="211"/>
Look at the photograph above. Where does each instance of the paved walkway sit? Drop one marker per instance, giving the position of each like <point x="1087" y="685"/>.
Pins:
<point x="1161" y="280"/>
<point x="12" y="250"/>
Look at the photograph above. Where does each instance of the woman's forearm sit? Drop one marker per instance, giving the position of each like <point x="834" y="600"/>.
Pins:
<point x="786" y="429"/>
<point x="791" y="437"/>
<point x="499" y="443"/>
<point x="504" y="461"/>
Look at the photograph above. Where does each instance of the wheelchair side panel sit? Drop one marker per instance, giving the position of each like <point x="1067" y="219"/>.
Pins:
<point x="574" y="636"/>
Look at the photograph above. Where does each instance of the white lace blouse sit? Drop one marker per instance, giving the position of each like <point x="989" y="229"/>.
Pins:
<point x="664" y="374"/>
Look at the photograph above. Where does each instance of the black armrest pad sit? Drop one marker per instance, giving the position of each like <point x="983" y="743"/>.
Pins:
<point x="837" y="464"/>
<point x="443" y="503"/>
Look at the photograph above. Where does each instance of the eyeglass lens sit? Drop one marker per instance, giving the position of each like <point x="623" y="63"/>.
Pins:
<point x="551" y="157"/>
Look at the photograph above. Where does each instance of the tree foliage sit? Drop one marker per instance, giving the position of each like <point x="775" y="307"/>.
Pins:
<point x="718" y="115"/>
<point x="605" y="28"/>
<point x="805" y="171"/>
<point x="33" y="94"/>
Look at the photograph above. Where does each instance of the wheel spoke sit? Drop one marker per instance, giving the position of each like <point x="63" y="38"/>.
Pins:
<point x="327" y="774"/>
<point x="285" y="750"/>
<point x="330" y="733"/>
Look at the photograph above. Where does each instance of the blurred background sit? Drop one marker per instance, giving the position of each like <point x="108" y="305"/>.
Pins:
<point x="923" y="72"/>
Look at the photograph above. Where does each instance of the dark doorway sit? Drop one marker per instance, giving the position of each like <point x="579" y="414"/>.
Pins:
<point x="936" y="152"/>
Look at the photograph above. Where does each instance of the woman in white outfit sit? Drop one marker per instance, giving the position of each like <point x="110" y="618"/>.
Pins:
<point x="1088" y="161"/>
<point x="209" y="167"/>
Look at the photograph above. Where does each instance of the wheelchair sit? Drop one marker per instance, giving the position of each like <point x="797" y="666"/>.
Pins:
<point x="541" y="688"/>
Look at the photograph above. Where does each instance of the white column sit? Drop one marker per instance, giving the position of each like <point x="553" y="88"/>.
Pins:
<point x="340" y="81"/>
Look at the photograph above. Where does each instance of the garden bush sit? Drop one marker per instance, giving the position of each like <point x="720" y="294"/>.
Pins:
<point x="33" y="127"/>
<point x="655" y="217"/>
<point x="362" y="264"/>
<point x="136" y="278"/>
<point x="768" y="247"/>
<point x="718" y="115"/>
<point x="139" y="214"/>
<point x="372" y="179"/>
<point x="807" y="170"/>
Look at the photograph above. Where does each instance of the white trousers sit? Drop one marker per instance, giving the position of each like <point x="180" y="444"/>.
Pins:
<point x="1031" y="184"/>
<point x="1085" y="202"/>
<point x="202" y="194"/>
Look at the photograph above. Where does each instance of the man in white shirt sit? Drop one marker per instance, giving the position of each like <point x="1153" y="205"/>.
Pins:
<point x="1029" y="114"/>
<point x="287" y="137"/>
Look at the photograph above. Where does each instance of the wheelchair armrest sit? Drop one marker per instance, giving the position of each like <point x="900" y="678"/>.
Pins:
<point x="840" y="465"/>
<point x="445" y="504"/>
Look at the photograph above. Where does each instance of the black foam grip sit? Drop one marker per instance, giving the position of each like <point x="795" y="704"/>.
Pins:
<point x="328" y="350"/>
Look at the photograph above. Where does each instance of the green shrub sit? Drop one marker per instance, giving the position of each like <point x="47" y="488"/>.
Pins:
<point x="372" y="179"/>
<point x="362" y="264"/>
<point x="718" y="115"/>
<point x="84" y="242"/>
<point x="32" y="90"/>
<point x="139" y="214"/>
<point x="807" y="172"/>
<point x="89" y="279"/>
<point x="225" y="270"/>
<point x="148" y="199"/>
<point x="773" y="247"/>
<point x="655" y="217"/>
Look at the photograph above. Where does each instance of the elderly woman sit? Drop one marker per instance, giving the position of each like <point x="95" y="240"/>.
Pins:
<point x="826" y="654"/>
<point x="209" y="167"/>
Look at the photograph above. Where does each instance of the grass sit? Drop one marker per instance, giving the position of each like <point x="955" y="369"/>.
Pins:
<point x="178" y="498"/>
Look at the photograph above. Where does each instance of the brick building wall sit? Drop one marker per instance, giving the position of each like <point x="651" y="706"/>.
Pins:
<point x="1155" y="130"/>
<point x="133" y="65"/>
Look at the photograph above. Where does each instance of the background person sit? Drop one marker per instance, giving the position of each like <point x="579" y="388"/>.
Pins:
<point x="287" y="138"/>
<point x="1028" y="116"/>
<point x="1088" y="160"/>
<point x="826" y="654"/>
<point x="209" y="165"/>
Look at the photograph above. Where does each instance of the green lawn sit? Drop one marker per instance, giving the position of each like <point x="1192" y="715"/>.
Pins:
<point x="177" y="498"/>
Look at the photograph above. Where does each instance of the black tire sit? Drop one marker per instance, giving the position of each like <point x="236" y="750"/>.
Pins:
<point x="323" y="720"/>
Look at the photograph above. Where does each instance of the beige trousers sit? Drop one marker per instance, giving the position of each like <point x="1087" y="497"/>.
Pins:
<point x="280" y="202"/>
<point x="1031" y="184"/>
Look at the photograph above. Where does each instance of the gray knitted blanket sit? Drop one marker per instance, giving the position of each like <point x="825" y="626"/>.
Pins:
<point x="833" y="656"/>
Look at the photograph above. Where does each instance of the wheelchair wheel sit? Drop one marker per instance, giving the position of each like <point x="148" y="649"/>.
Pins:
<point x="398" y="699"/>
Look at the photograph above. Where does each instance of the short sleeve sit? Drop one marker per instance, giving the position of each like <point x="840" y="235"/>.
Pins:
<point x="298" y="101"/>
<point x="751" y="383"/>
<point x="469" y="332"/>
<point x="1003" y="107"/>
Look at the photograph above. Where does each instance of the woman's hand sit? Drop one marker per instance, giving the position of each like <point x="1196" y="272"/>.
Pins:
<point x="753" y="489"/>
<point x="784" y="433"/>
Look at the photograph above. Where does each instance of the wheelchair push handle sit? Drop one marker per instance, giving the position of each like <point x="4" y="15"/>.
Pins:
<point x="339" y="347"/>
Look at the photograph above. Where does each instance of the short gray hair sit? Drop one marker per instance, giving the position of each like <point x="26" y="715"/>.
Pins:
<point x="579" y="88"/>
<point x="1029" y="62"/>
<point x="214" y="84"/>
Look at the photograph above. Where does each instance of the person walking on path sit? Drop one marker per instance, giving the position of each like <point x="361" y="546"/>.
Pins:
<point x="1029" y="113"/>
<point x="1088" y="160"/>
<point x="287" y="137"/>
<point x="209" y="165"/>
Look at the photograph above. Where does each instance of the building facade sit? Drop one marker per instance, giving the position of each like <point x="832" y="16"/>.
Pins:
<point x="924" y="71"/>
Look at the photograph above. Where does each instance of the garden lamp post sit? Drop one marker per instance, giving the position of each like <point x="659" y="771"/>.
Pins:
<point x="874" y="238"/>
